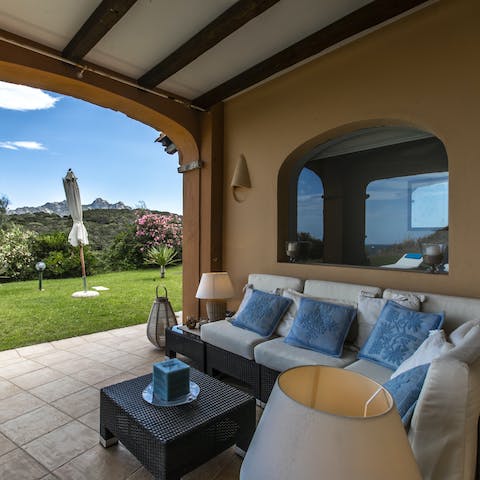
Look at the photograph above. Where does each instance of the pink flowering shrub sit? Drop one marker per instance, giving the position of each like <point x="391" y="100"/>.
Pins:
<point x="156" y="229"/>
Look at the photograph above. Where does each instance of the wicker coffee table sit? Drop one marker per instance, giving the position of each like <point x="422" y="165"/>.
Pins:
<point x="171" y="441"/>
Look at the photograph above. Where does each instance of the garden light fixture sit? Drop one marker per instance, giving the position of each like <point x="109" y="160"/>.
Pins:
<point x="40" y="267"/>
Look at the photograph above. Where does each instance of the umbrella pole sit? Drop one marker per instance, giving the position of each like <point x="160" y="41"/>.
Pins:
<point x="84" y="274"/>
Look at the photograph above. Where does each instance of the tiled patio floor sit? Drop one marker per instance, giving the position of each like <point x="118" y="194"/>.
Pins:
<point x="49" y="409"/>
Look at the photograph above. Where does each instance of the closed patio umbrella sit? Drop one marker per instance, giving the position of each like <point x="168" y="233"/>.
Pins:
<point x="78" y="235"/>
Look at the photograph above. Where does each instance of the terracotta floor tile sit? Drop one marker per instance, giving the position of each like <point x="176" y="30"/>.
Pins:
<point x="91" y="348"/>
<point x="7" y="389"/>
<point x="72" y="366"/>
<point x="35" y="350"/>
<point x="95" y="337"/>
<point x="100" y="464"/>
<point x="62" y="445"/>
<point x="57" y="389"/>
<point x="142" y="369"/>
<point x="17" y="465"/>
<point x="56" y="357"/>
<point x="31" y="425"/>
<point x="8" y="355"/>
<point x="38" y="377"/>
<point x="19" y="368"/>
<point x="91" y="419"/>
<point x="151" y="353"/>
<point x="18" y="404"/>
<point x="6" y="445"/>
<point x="126" y="361"/>
<point x="79" y="403"/>
<point x="141" y="474"/>
<point x="96" y="374"/>
<point x="116" y="379"/>
<point x="103" y="356"/>
<point x="67" y="343"/>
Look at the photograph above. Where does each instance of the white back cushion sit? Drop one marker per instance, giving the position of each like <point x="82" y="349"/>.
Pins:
<point x="268" y="283"/>
<point x="347" y="292"/>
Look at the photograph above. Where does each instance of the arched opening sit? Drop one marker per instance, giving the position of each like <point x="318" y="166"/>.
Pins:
<point x="374" y="197"/>
<point x="183" y="125"/>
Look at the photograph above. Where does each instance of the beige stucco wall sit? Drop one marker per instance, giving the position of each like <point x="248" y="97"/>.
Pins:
<point x="423" y="71"/>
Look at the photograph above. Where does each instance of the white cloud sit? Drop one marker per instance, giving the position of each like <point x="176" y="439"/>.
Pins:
<point x="29" y="145"/>
<point x="21" y="97"/>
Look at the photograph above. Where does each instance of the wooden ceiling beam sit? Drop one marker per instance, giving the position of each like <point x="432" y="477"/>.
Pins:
<point x="369" y="16"/>
<point x="225" y="24"/>
<point x="100" y="22"/>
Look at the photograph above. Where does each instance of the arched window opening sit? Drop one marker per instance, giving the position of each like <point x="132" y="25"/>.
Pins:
<point x="374" y="197"/>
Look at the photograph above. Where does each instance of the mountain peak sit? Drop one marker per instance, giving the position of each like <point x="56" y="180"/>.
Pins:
<point x="61" y="209"/>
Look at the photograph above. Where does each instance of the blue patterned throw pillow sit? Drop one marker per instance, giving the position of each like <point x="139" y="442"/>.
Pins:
<point x="321" y="326"/>
<point x="262" y="313"/>
<point x="405" y="389"/>
<point x="398" y="332"/>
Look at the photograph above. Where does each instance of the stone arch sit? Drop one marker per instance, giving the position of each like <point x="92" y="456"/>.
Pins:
<point x="180" y="123"/>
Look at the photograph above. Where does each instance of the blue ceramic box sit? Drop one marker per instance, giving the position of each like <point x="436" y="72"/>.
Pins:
<point x="171" y="379"/>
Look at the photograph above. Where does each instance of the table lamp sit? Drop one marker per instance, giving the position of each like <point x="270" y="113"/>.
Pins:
<point x="325" y="423"/>
<point x="215" y="287"/>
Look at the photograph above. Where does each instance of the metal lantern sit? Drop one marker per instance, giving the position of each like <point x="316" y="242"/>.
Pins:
<point x="161" y="317"/>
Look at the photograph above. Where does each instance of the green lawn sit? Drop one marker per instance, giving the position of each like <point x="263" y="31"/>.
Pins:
<point x="28" y="316"/>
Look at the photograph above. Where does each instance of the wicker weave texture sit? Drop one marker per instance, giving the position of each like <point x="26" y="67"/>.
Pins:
<point x="238" y="367"/>
<point x="171" y="441"/>
<point x="268" y="378"/>
<point x="187" y="344"/>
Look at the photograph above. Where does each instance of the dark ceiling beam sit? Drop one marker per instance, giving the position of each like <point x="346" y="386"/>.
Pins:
<point x="105" y="16"/>
<point x="369" y="16"/>
<point x="230" y="20"/>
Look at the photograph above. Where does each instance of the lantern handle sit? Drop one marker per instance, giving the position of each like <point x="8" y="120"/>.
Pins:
<point x="156" y="292"/>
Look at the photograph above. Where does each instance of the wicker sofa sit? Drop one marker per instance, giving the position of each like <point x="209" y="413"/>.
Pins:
<point x="443" y="431"/>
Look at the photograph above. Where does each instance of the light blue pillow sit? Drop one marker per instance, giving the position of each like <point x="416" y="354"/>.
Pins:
<point x="405" y="389"/>
<point x="321" y="326"/>
<point x="262" y="313"/>
<point x="398" y="332"/>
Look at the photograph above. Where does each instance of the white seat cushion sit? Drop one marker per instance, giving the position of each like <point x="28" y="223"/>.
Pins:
<point x="224" y="335"/>
<point x="277" y="355"/>
<point x="374" y="371"/>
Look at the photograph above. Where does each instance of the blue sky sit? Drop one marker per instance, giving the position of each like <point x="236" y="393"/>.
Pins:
<point x="43" y="134"/>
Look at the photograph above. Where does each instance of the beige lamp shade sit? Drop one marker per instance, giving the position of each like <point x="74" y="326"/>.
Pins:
<point x="325" y="423"/>
<point x="215" y="286"/>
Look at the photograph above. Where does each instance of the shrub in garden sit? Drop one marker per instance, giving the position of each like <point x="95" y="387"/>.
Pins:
<point x="16" y="258"/>
<point x="62" y="259"/>
<point x="161" y="256"/>
<point x="125" y="253"/>
<point x="154" y="230"/>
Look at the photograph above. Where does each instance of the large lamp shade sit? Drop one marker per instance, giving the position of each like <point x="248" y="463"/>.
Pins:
<point x="325" y="423"/>
<point x="215" y="287"/>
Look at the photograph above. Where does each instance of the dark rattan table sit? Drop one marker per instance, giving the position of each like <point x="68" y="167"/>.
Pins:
<point x="171" y="441"/>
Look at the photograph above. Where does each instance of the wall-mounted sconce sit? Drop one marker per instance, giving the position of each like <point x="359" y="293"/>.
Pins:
<point x="240" y="179"/>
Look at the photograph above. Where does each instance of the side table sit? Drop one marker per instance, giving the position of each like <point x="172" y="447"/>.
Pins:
<point x="187" y="343"/>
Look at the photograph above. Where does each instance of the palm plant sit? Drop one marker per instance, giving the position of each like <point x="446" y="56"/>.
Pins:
<point x="161" y="256"/>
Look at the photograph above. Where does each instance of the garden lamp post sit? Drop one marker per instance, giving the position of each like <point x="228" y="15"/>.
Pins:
<point x="40" y="267"/>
